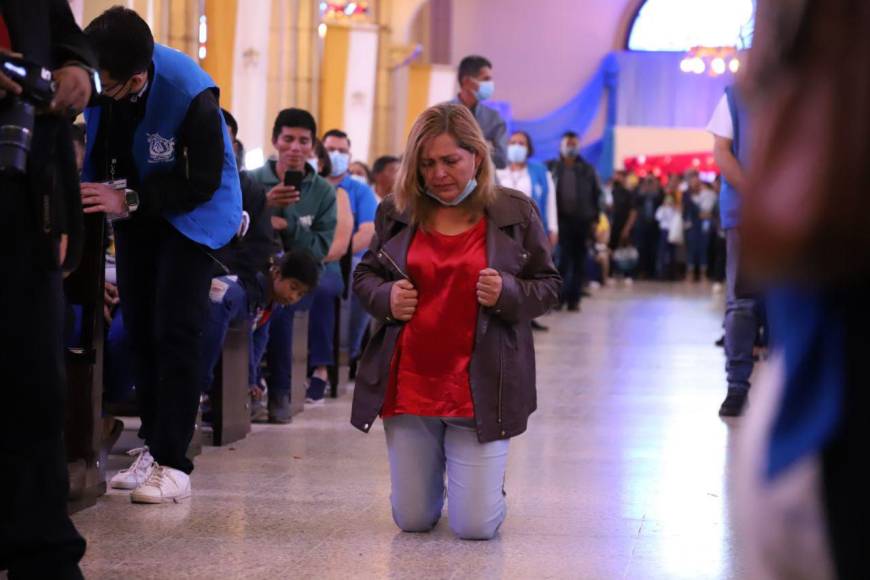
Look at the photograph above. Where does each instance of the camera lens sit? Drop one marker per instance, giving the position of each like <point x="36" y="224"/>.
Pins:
<point x="16" y="133"/>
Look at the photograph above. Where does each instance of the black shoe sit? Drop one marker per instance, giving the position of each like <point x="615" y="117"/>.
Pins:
<point x="721" y="342"/>
<point x="539" y="327"/>
<point x="279" y="409"/>
<point x="734" y="403"/>
<point x="574" y="307"/>
<point x="315" y="394"/>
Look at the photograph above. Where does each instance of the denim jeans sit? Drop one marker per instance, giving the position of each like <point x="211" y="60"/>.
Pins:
<point x="279" y="349"/>
<point x="321" y="326"/>
<point x="741" y="320"/>
<point x="421" y="449"/>
<point x="698" y="244"/>
<point x="233" y="308"/>
<point x="259" y="342"/>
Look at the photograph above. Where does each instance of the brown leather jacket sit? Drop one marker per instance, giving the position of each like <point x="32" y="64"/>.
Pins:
<point x="503" y="362"/>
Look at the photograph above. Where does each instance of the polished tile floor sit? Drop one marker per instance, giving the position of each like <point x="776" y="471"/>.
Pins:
<point x="622" y="474"/>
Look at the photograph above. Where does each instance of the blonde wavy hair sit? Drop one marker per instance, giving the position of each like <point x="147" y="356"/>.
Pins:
<point x="458" y="122"/>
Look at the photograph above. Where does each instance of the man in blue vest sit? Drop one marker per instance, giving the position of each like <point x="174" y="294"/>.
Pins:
<point x="730" y="130"/>
<point x="161" y="165"/>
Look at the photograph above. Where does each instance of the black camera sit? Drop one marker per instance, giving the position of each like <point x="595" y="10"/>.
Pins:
<point x="17" y="112"/>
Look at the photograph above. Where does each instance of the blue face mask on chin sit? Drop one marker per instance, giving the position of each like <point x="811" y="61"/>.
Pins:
<point x="485" y="89"/>
<point x="469" y="189"/>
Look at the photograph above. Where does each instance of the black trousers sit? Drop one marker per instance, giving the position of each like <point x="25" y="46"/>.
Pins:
<point x="37" y="537"/>
<point x="844" y="488"/>
<point x="573" y="253"/>
<point x="163" y="281"/>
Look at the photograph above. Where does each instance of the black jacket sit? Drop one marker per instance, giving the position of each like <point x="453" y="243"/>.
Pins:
<point x="45" y="32"/>
<point x="250" y="255"/>
<point x="586" y="197"/>
<point x="502" y="367"/>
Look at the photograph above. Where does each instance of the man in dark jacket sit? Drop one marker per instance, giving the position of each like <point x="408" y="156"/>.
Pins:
<point x="40" y="209"/>
<point x="578" y="195"/>
<point x="160" y="141"/>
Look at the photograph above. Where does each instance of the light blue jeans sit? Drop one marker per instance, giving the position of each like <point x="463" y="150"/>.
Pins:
<point x="421" y="449"/>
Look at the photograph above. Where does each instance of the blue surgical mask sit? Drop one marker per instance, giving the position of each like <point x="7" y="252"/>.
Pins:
<point x="469" y="189"/>
<point x="517" y="153"/>
<point x="485" y="89"/>
<point x="360" y="179"/>
<point x="340" y="162"/>
<point x="314" y="162"/>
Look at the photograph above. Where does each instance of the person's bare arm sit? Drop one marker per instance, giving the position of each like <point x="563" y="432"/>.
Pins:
<point x="727" y="162"/>
<point x="343" y="229"/>
<point x="362" y="239"/>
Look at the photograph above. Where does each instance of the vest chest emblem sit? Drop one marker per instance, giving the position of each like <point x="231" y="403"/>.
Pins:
<point x="160" y="149"/>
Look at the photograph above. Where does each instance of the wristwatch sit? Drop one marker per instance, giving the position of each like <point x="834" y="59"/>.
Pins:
<point x="131" y="200"/>
<point x="93" y="75"/>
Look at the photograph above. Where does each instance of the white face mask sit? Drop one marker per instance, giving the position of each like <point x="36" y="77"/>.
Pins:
<point x="340" y="162"/>
<point x="314" y="162"/>
<point x="359" y="178"/>
<point x="517" y="153"/>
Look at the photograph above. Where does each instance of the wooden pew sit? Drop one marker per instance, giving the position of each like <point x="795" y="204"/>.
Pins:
<point x="300" y="362"/>
<point x="230" y="401"/>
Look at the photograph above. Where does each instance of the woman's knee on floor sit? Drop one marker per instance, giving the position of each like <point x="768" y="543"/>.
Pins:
<point x="416" y="519"/>
<point x="476" y="524"/>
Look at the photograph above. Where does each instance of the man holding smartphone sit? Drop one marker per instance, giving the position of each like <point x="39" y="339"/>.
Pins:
<point x="304" y="216"/>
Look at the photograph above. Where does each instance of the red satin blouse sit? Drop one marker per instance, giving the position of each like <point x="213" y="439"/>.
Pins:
<point x="429" y="373"/>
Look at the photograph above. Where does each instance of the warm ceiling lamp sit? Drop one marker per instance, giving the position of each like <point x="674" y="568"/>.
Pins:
<point x="715" y="61"/>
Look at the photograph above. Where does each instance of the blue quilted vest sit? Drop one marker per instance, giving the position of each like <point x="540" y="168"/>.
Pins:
<point x="729" y="198"/>
<point x="177" y="80"/>
<point x="540" y="190"/>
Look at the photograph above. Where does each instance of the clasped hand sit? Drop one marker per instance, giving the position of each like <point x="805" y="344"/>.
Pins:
<point x="404" y="297"/>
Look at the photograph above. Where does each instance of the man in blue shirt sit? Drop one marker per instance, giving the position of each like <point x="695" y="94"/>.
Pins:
<point x="729" y="127"/>
<point x="363" y="204"/>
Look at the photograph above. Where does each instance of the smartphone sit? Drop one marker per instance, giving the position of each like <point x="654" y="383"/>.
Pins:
<point x="294" y="179"/>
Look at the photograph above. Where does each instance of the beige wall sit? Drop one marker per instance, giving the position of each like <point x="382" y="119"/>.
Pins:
<point x="543" y="51"/>
<point x="634" y="141"/>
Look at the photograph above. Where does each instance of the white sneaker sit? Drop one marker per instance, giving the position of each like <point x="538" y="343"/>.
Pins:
<point x="137" y="473"/>
<point x="164" y="485"/>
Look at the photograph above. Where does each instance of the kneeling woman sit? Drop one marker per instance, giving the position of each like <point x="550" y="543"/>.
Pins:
<point x="457" y="271"/>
